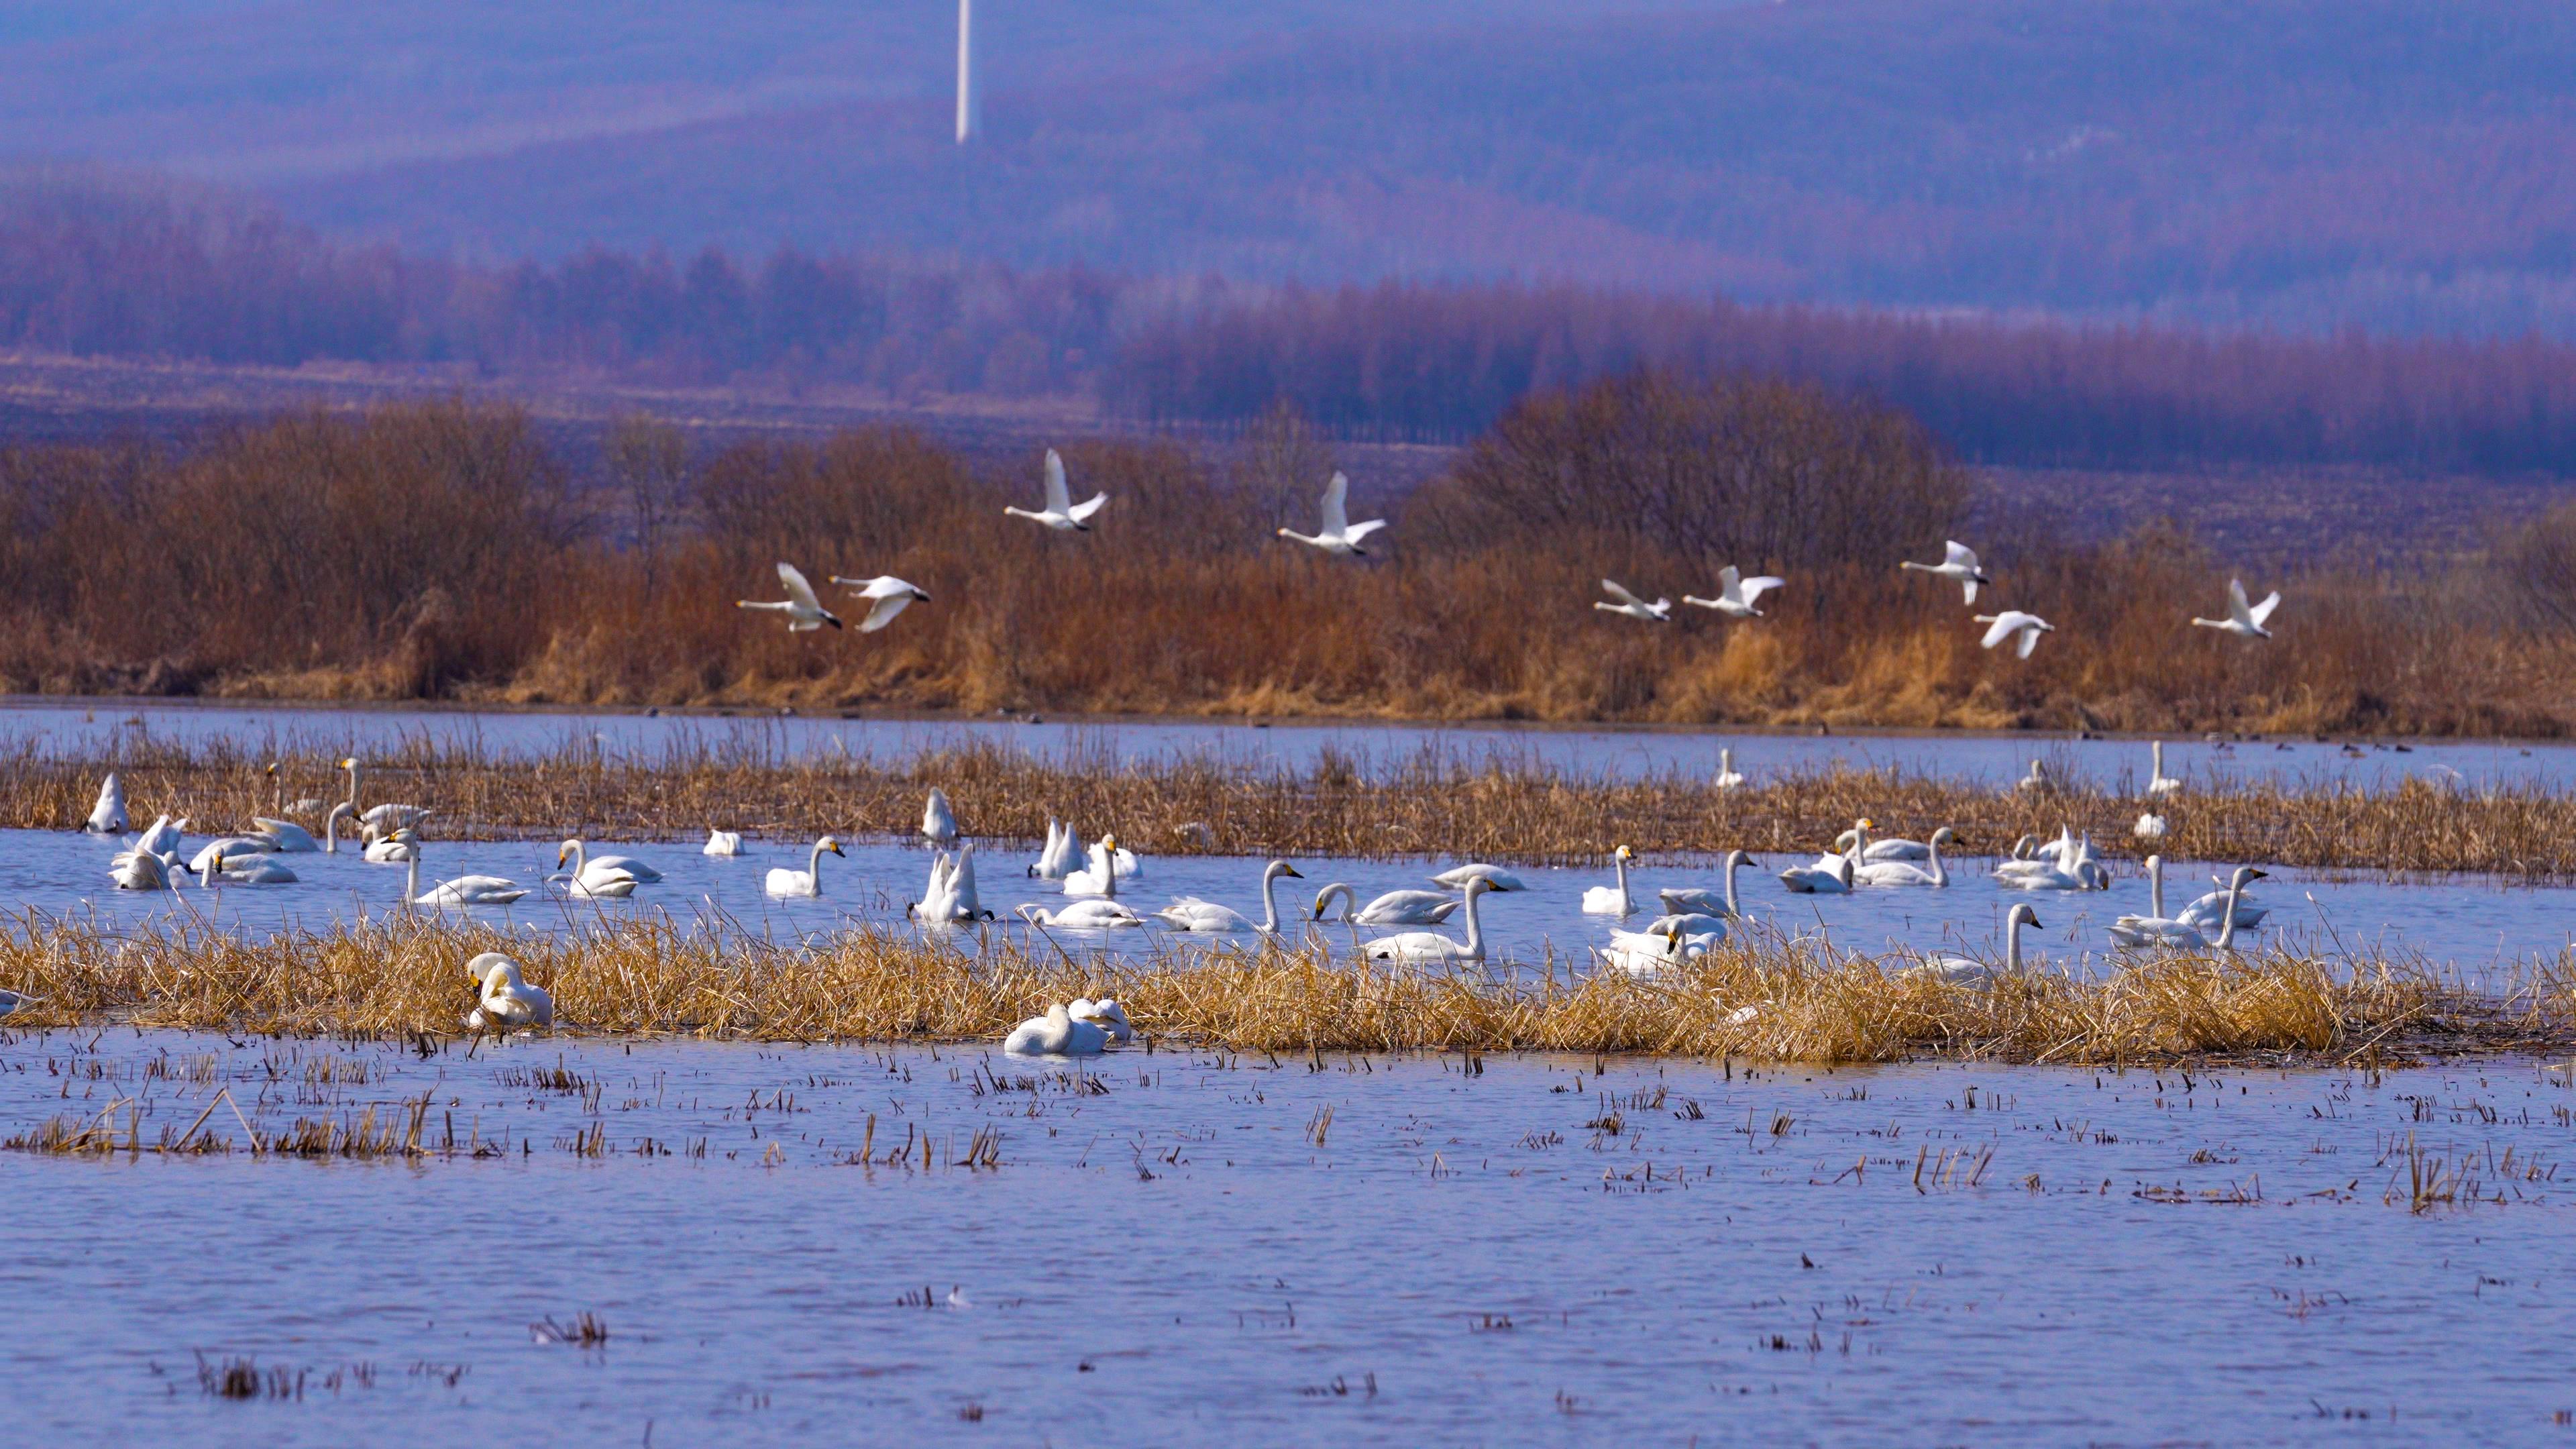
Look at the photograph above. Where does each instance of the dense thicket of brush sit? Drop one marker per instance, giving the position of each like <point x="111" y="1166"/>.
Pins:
<point x="1809" y="1002"/>
<point x="1430" y="805"/>
<point x="436" y="552"/>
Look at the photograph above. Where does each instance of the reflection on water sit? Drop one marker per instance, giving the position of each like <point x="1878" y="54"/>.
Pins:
<point x="1181" y="1249"/>
<point x="92" y="729"/>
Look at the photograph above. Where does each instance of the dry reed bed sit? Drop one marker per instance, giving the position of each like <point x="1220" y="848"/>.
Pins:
<point x="1809" y="1002"/>
<point x="1429" y="805"/>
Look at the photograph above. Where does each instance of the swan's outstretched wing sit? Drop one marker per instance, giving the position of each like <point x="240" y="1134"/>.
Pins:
<point x="885" y="609"/>
<point x="2029" y="638"/>
<point x="799" y="592"/>
<point x="1082" y="511"/>
<point x="1611" y="587"/>
<point x="1337" y="518"/>
<point x="1358" y="531"/>
<point x="2262" y="612"/>
<point x="2001" y="627"/>
<point x="1730" y="581"/>
<point x="1058" y="498"/>
<point x="1955" y="552"/>
<point x="1755" y="588"/>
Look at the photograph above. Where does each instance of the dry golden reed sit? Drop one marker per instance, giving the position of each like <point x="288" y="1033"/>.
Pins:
<point x="1431" y="804"/>
<point x="1759" y="996"/>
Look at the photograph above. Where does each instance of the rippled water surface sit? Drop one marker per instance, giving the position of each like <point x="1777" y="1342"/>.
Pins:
<point x="1179" y="1249"/>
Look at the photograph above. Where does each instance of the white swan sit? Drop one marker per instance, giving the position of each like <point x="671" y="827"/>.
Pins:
<point x="1727" y="778"/>
<point x="1104" y="913"/>
<point x="1612" y="900"/>
<point x="1736" y="594"/>
<point x="1426" y="947"/>
<point x="391" y="849"/>
<point x="1109" y="864"/>
<point x="1061" y="513"/>
<point x="1105" y="1014"/>
<point x="2029" y="857"/>
<point x="2066" y="866"/>
<point x="1958" y="562"/>
<point x="1686" y="900"/>
<point x="722" y="842"/>
<point x="1643" y="953"/>
<point x="1056" y="1034"/>
<point x="107" y="817"/>
<point x="285" y="837"/>
<point x="2150" y="826"/>
<point x="604" y="885"/>
<point x="2011" y="622"/>
<point x="1395" y="908"/>
<point x="162" y="836"/>
<point x="239" y="846"/>
<point x="142" y="870"/>
<point x="586" y="864"/>
<point x="2154" y="928"/>
<point x="386" y="817"/>
<point x="2231" y="911"/>
<point x="1968" y="970"/>
<point x="2228" y="903"/>
<point x="1056" y="859"/>
<point x="1892" y="848"/>
<point x="1658" y="612"/>
<point x="1906" y="872"/>
<point x="2037" y="780"/>
<point x="887" y="596"/>
<point x="804" y="612"/>
<point x="938" y="822"/>
<point x="950" y="896"/>
<point x="2159" y="784"/>
<point x="2243" y="620"/>
<point x="1189" y="913"/>
<point x="1821" y="880"/>
<point x="1339" y="536"/>
<point x="808" y="882"/>
<point x="509" y="1003"/>
<point x="277" y="802"/>
<point x="465" y="890"/>
<point x="249" y="868"/>
<point x="331" y="827"/>
<point x="1456" y="877"/>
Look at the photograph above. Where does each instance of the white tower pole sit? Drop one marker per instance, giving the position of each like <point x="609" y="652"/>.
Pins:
<point x="970" y="104"/>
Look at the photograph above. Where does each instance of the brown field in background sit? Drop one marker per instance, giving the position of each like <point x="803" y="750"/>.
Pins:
<point x="443" y="552"/>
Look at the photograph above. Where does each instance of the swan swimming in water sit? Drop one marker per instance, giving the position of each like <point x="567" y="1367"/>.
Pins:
<point x="1736" y="594"/>
<point x="1395" y="908"/>
<point x="1968" y="970"/>
<point x="249" y="868"/>
<point x="107" y="817"/>
<point x="887" y="596"/>
<point x="1109" y="865"/>
<point x="1456" y="877"/>
<point x="938" y="822"/>
<point x="284" y="837"/>
<point x="2210" y="910"/>
<point x="1056" y="1034"/>
<point x="1100" y="914"/>
<point x="1339" y="536"/>
<point x="722" y="842"/>
<point x="1658" y="612"/>
<point x="1643" y="953"/>
<point x="465" y="890"/>
<point x="387" y="817"/>
<point x="1425" y="947"/>
<point x="1061" y="513"/>
<point x="509" y="1003"/>
<point x="805" y="613"/>
<point x="1821" y="880"/>
<point x="1703" y="901"/>
<point x="1906" y="872"/>
<point x="2243" y="620"/>
<point x="1189" y="913"/>
<point x="1959" y="563"/>
<point x="2159" y="784"/>
<point x="586" y="864"/>
<point x="2015" y="621"/>
<point x="1056" y="859"/>
<point x="806" y="883"/>
<point x="2154" y="928"/>
<point x="1612" y="900"/>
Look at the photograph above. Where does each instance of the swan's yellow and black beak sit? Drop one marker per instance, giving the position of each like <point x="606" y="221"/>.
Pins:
<point x="350" y="763"/>
<point x="1290" y="870"/>
<point x="561" y="855"/>
<point x="836" y="850"/>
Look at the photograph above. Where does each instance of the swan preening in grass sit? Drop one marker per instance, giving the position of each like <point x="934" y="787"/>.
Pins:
<point x="1612" y="900"/>
<point x="1959" y="564"/>
<point x="2159" y="784"/>
<point x="808" y="882"/>
<point x="107" y="817"/>
<point x="804" y="612"/>
<point x="1736" y="594"/>
<point x="465" y="890"/>
<point x="1426" y="947"/>
<point x="887" y="596"/>
<point x="938" y="822"/>
<point x="1658" y="612"/>
<point x="1338" y="536"/>
<point x="1395" y="908"/>
<point x="1700" y="900"/>
<point x="1727" y="778"/>
<point x="1189" y="913"/>
<point x="509" y="1003"/>
<point x="2015" y="621"/>
<point x="722" y="842"/>
<point x="1968" y="970"/>
<point x="1105" y="1014"/>
<point x="951" y="896"/>
<point x="1057" y="1034"/>
<point x="1061" y="513"/>
<point x="1457" y="877"/>
<point x="2244" y="620"/>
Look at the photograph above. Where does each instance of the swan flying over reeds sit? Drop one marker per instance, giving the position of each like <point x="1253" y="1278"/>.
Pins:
<point x="1658" y="612"/>
<point x="887" y="596"/>
<point x="1736" y="594"/>
<point x="2243" y="620"/>
<point x="804" y="612"/>
<point x="1958" y="562"/>
<point x="1061" y="513"/>
<point x="1338" y="536"/>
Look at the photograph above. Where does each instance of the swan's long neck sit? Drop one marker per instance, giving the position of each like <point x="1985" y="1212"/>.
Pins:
<point x="331" y="833"/>
<point x="411" y="877"/>
<point x="2227" y="926"/>
<point x="353" y="787"/>
<point x="1726" y="762"/>
<point x="814" y="866"/>
<point x="1109" y="872"/>
<point x="2157" y="750"/>
<point x="1343" y="889"/>
<point x="1475" y="927"/>
<point x="1940" y="872"/>
<point x="1621" y="862"/>
<point x="277" y="794"/>
<point x="2012" y="944"/>
<point x="1734" y="863"/>
<point x="580" y="861"/>
<point x="2156" y="886"/>
<point x="1269" y="900"/>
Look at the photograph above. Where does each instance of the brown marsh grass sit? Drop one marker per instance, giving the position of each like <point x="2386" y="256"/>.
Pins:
<point x="1809" y="1001"/>
<point x="1428" y="804"/>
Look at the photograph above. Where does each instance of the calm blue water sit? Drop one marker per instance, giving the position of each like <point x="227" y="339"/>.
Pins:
<point x="1173" y="1258"/>
<point x="90" y="728"/>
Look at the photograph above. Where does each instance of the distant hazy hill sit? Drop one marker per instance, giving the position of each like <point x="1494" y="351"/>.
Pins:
<point x="2391" y="163"/>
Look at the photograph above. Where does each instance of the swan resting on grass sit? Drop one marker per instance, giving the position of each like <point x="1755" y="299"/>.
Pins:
<point x="2150" y="826"/>
<point x="1189" y="913"/>
<point x="1428" y="947"/>
<point x="1968" y="970"/>
<point x="807" y="883"/>
<point x="509" y="1003"/>
<point x="1106" y="1014"/>
<point x="1727" y="776"/>
<point x="1395" y="908"/>
<point x="1057" y="1034"/>
<point x="387" y="817"/>
<point x="2159" y="784"/>
<point x="1643" y="953"/>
